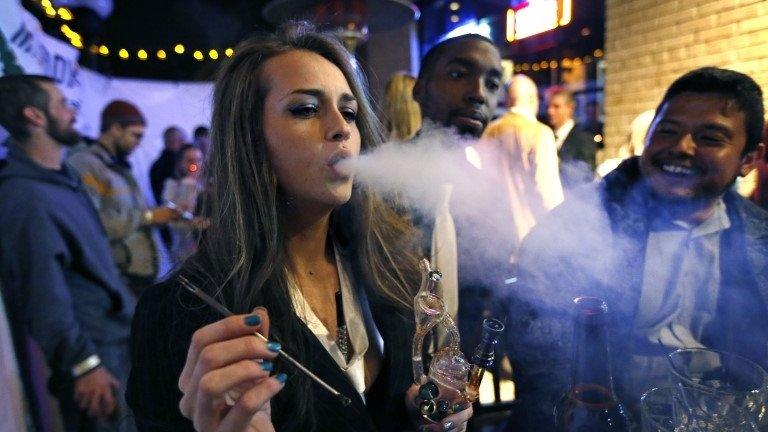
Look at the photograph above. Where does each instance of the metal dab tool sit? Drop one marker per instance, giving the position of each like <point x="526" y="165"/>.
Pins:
<point x="345" y="401"/>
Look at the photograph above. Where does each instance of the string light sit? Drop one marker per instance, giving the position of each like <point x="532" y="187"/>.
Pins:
<point x="598" y="53"/>
<point x="566" y="63"/>
<point x="454" y="18"/>
<point x="454" y="6"/>
<point x="65" y="14"/>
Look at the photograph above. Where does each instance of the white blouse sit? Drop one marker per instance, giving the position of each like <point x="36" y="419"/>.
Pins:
<point x="354" y="317"/>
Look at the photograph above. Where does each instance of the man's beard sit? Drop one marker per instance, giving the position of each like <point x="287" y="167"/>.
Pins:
<point x="67" y="137"/>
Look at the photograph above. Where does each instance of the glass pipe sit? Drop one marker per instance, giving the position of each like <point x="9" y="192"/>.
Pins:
<point x="429" y="311"/>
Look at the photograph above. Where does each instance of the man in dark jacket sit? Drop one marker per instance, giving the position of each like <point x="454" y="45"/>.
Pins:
<point x="575" y="147"/>
<point x="680" y="258"/>
<point x="55" y="261"/>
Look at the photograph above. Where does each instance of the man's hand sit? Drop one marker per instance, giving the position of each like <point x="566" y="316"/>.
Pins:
<point x="162" y="215"/>
<point x="94" y="393"/>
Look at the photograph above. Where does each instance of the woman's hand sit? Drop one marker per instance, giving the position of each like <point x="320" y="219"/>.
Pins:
<point x="462" y="412"/>
<point x="222" y="365"/>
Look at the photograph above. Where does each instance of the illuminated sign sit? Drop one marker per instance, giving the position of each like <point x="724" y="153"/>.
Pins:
<point x="537" y="16"/>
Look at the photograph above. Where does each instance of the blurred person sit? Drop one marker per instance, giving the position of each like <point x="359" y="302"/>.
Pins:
<point x="400" y="109"/>
<point x="164" y="166"/>
<point x="526" y="156"/>
<point x="201" y="138"/>
<point x="576" y="148"/>
<point x="634" y="145"/>
<point x="182" y="192"/>
<point x="304" y="260"/>
<point x="55" y="263"/>
<point x="128" y="219"/>
<point x="678" y="256"/>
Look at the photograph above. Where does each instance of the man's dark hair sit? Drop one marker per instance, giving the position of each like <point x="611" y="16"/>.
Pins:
<point x="201" y="131"/>
<point x="438" y="50"/>
<point x="16" y="93"/>
<point x="739" y="88"/>
<point x="169" y="131"/>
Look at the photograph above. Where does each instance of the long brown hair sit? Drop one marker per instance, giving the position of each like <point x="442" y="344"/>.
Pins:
<point x="242" y="259"/>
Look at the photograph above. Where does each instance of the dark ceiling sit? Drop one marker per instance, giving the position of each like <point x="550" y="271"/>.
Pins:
<point x="218" y="24"/>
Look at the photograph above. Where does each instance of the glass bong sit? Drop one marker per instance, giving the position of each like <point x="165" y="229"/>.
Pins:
<point x="450" y="375"/>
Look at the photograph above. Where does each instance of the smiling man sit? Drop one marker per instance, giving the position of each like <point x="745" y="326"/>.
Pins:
<point x="680" y="258"/>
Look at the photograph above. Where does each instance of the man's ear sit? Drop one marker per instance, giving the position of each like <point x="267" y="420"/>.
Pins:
<point x="33" y="115"/>
<point x="749" y="160"/>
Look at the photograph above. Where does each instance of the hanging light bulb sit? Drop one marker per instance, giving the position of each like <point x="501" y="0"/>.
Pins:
<point x="161" y="54"/>
<point x="229" y="52"/>
<point x="142" y="55"/>
<point x="179" y="49"/>
<point x="213" y="54"/>
<point x="123" y="53"/>
<point x="198" y="55"/>
<point x="65" y="14"/>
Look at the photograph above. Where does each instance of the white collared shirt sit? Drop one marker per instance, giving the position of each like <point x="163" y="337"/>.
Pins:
<point x="356" y="328"/>
<point x="562" y="132"/>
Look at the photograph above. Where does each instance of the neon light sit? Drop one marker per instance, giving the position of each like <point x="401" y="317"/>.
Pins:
<point x="472" y="27"/>
<point x="536" y="17"/>
<point x="566" y="8"/>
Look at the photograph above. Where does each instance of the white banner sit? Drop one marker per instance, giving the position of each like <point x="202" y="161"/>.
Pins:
<point x="25" y="48"/>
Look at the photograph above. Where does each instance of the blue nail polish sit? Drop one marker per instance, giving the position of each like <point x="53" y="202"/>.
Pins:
<point x="273" y="346"/>
<point x="281" y="377"/>
<point x="460" y="407"/>
<point x="266" y="366"/>
<point x="252" y="320"/>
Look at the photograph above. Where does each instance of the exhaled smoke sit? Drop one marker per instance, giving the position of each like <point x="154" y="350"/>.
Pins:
<point x="415" y="172"/>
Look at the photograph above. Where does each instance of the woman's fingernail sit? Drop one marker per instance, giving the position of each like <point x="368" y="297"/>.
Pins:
<point x="266" y="366"/>
<point x="273" y="346"/>
<point x="281" y="377"/>
<point x="449" y="425"/>
<point x="460" y="407"/>
<point x="252" y="320"/>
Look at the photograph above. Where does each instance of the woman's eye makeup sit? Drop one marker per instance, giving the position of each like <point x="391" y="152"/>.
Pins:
<point x="303" y="110"/>
<point x="350" y="114"/>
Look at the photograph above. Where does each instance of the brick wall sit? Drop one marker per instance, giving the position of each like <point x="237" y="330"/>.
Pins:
<point x="649" y="43"/>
